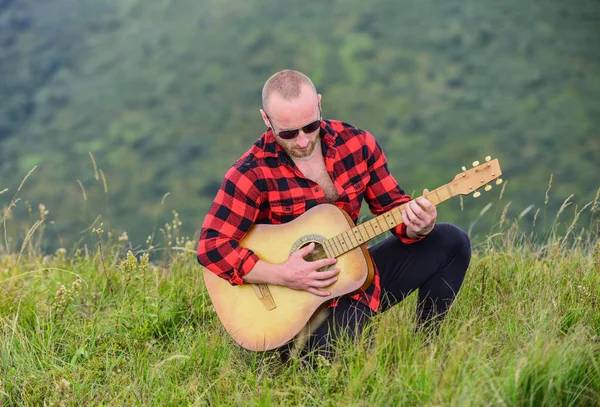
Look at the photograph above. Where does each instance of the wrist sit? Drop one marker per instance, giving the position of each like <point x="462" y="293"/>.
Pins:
<point x="410" y="234"/>
<point x="277" y="275"/>
<point x="265" y="273"/>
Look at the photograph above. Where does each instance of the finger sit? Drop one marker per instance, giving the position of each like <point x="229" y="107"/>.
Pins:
<point x="405" y="218"/>
<point x="306" y="249"/>
<point x="410" y="214"/>
<point x="425" y="204"/>
<point x="408" y="223"/>
<point x="422" y="200"/>
<point x="428" y="217"/>
<point x="421" y="215"/>
<point x="317" y="264"/>
<point x="404" y="213"/>
<point x="323" y="275"/>
<point x="416" y="208"/>
<point x="324" y="283"/>
<point x="316" y="291"/>
<point x="415" y="222"/>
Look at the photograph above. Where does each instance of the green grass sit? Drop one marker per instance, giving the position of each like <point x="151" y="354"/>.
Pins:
<point x="99" y="326"/>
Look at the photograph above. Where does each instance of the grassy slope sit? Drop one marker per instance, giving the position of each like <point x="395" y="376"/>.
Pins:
<point x="524" y="332"/>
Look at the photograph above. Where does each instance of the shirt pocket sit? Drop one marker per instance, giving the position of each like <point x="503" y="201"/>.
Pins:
<point x="286" y="210"/>
<point x="355" y="189"/>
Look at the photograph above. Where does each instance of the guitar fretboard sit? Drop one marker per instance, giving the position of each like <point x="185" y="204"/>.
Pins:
<point x="352" y="238"/>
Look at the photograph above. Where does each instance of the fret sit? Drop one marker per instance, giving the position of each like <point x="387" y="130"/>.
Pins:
<point x="441" y="191"/>
<point x="370" y="225"/>
<point x="360" y="239"/>
<point x="389" y="219"/>
<point x="330" y="249"/>
<point x="334" y="248"/>
<point x="352" y="236"/>
<point x="338" y="250"/>
<point x="364" y="231"/>
<point x="449" y="190"/>
<point x="384" y="227"/>
<point x="354" y="242"/>
<point x="438" y="196"/>
<point x="337" y="244"/>
<point x="325" y="248"/>
<point x="397" y="215"/>
<point x="377" y="226"/>
<point x="351" y="239"/>
<point x="344" y="242"/>
<point x="442" y="194"/>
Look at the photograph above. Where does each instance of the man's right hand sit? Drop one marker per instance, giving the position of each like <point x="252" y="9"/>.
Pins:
<point x="299" y="274"/>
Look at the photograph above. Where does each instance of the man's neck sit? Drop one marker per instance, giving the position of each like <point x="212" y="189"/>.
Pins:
<point x="311" y="158"/>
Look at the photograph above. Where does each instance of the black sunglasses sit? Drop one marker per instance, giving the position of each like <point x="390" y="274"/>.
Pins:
<point x="290" y="134"/>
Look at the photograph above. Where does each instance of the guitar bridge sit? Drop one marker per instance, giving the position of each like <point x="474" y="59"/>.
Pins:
<point x="264" y="295"/>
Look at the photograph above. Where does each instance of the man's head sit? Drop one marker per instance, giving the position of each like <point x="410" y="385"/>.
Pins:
<point x="290" y="102"/>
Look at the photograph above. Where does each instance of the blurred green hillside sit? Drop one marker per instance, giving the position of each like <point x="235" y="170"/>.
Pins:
<point x="165" y="95"/>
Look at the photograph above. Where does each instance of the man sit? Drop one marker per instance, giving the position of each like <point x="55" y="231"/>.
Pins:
<point x="303" y="160"/>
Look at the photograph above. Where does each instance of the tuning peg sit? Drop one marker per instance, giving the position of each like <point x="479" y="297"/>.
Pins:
<point x="475" y="163"/>
<point x="488" y="158"/>
<point x="499" y="181"/>
<point x="464" y="168"/>
<point x="487" y="187"/>
<point x="477" y="194"/>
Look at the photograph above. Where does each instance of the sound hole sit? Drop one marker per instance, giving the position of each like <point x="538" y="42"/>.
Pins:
<point x="318" y="253"/>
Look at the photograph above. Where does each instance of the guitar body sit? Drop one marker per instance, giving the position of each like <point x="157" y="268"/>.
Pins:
<point x="262" y="324"/>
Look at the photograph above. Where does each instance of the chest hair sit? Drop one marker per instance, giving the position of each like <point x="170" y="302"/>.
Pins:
<point x="316" y="171"/>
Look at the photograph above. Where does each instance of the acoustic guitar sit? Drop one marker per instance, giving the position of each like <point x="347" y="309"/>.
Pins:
<point x="261" y="317"/>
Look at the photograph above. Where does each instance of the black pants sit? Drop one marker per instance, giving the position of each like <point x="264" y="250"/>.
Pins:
<point x="435" y="266"/>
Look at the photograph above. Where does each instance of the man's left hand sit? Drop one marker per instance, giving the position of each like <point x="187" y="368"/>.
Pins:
<point x="419" y="217"/>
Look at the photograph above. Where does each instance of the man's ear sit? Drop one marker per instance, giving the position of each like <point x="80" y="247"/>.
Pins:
<point x="264" y="117"/>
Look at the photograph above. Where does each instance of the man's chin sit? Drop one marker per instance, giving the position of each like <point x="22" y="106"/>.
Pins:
<point x="302" y="153"/>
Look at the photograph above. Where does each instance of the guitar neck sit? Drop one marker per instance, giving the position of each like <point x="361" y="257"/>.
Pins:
<point x="352" y="238"/>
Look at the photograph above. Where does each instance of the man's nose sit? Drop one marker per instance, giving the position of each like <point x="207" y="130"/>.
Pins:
<point x="302" y="139"/>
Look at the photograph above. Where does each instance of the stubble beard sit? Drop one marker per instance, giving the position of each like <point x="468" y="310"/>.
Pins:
<point x="297" y="154"/>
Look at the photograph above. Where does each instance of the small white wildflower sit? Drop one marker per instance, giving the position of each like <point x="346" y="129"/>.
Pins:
<point x="63" y="386"/>
<point x="43" y="211"/>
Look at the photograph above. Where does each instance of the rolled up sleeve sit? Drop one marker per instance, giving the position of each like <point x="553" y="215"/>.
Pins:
<point x="230" y="217"/>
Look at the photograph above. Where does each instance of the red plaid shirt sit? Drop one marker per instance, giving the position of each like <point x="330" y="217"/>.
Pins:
<point x="265" y="181"/>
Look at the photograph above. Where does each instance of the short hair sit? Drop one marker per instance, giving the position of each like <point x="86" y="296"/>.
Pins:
<point x="287" y="83"/>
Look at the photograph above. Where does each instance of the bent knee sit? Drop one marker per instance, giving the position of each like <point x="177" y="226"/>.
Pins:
<point x="457" y="242"/>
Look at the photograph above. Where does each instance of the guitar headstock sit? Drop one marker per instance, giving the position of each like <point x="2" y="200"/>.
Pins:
<point x="469" y="181"/>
